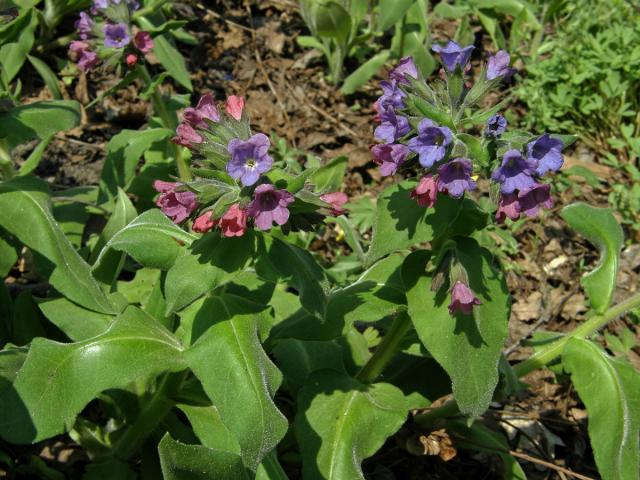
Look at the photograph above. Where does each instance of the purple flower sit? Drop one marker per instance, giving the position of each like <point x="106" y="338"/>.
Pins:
<point x="249" y="158"/>
<point x="115" y="36"/>
<point x="532" y="199"/>
<point x="496" y="126"/>
<point x="431" y="142"/>
<point x="85" y="57"/>
<point x="178" y="206"/>
<point x="84" y="25"/>
<point x="392" y="127"/>
<point x="455" y="177"/>
<point x="547" y="153"/>
<point x="391" y="95"/>
<point x="337" y="201"/>
<point x="515" y="173"/>
<point x="508" y="206"/>
<point x="99" y="5"/>
<point x="426" y="192"/>
<point x="205" y="110"/>
<point x="186" y="136"/>
<point x="269" y="205"/>
<point x="498" y="66"/>
<point x="143" y="42"/>
<point x="406" y="66"/>
<point x="462" y="299"/>
<point x="389" y="156"/>
<point x="453" y="54"/>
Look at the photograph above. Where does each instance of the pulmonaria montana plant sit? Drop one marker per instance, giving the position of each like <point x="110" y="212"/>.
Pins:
<point x="108" y="35"/>
<point x="238" y="183"/>
<point x="437" y="130"/>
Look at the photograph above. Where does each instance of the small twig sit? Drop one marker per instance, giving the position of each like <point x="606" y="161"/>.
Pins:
<point x="553" y="466"/>
<point x="221" y="17"/>
<point x="95" y="146"/>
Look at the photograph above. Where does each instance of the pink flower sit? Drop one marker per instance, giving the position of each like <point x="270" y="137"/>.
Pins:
<point x="178" y="206"/>
<point x="234" y="222"/>
<point x="234" y="106"/>
<point x="269" y="206"/>
<point x="534" y="198"/>
<point x="143" y="42"/>
<point x="426" y="192"/>
<point x="85" y="57"/>
<point x="462" y="299"/>
<point x="186" y="136"/>
<point x="204" y="222"/>
<point x="508" y="206"/>
<point x="336" y="200"/>
<point x="205" y="110"/>
<point x="131" y="60"/>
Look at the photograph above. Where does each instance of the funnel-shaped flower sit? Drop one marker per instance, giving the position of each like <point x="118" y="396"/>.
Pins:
<point x="269" y="206"/>
<point x="515" y="173"/>
<point x="462" y="299"/>
<point x="547" y="153"/>
<point x="406" y="66"/>
<point x="533" y="199"/>
<point x="115" y="36"/>
<point x="508" y="206"/>
<point x="178" y="206"/>
<point x="84" y="25"/>
<point x="205" y="110"/>
<point x="496" y="126"/>
<point x="204" y="222"/>
<point x="336" y="200"/>
<point x="455" y="177"/>
<point x="426" y="192"/>
<point x="234" y="222"/>
<point x="392" y="127"/>
<point x="143" y="42"/>
<point x="431" y="142"/>
<point x="453" y="54"/>
<point x="249" y="159"/>
<point x="234" y="106"/>
<point x="389" y="156"/>
<point x="186" y="136"/>
<point x="498" y="66"/>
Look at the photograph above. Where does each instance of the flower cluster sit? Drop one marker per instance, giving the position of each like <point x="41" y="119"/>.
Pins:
<point x="430" y="127"/>
<point x="244" y="186"/>
<point x="107" y="35"/>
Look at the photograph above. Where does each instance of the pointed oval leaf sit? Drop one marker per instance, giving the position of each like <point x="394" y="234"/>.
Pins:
<point x="38" y="120"/>
<point x="57" y="380"/>
<point x="610" y="389"/>
<point x="237" y="374"/>
<point x="150" y="239"/>
<point x="25" y="212"/>
<point x="599" y="226"/>
<point x="468" y="347"/>
<point x="340" y="422"/>
<point x="180" y="461"/>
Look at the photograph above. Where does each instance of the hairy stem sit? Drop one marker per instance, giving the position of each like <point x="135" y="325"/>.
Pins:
<point x="168" y="121"/>
<point x="387" y="349"/>
<point x="543" y="356"/>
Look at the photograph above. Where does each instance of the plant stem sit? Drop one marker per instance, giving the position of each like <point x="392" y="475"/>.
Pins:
<point x="595" y="323"/>
<point x="151" y="414"/>
<point x="388" y="347"/>
<point x="543" y="356"/>
<point x="270" y="468"/>
<point x="168" y="121"/>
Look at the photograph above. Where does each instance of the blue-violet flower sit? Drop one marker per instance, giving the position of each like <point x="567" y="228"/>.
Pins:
<point x="269" y="206"/>
<point x="115" y="36"/>
<point x="455" y="177"/>
<point x="406" y="66"/>
<point x="249" y="159"/>
<point x="498" y="66"/>
<point x="453" y="54"/>
<point x="392" y="127"/>
<point x="515" y="173"/>
<point x="431" y="142"/>
<point x="496" y="126"/>
<point x="547" y="153"/>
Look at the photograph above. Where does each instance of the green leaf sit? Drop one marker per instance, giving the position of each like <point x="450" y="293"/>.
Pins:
<point x="340" y="422"/>
<point x="123" y="152"/>
<point x="329" y="177"/>
<point x="27" y="321"/>
<point x="8" y="257"/>
<point x="213" y="261"/>
<point x="32" y="162"/>
<point x="16" y="40"/>
<point x="599" y="226"/>
<point x="38" y="120"/>
<point x="25" y="213"/>
<point x="210" y="429"/>
<point x="390" y="12"/>
<point x="151" y="239"/>
<point x="50" y="79"/>
<point x="58" y="380"/>
<point x="295" y="266"/>
<point x="468" y="347"/>
<point x="172" y="60"/>
<point x="248" y="379"/>
<point x="123" y="213"/>
<point x="610" y="389"/>
<point x="180" y="461"/>
<point x="76" y="322"/>
<point x="401" y="223"/>
<point x="364" y="72"/>
<point x="333" y="21"/>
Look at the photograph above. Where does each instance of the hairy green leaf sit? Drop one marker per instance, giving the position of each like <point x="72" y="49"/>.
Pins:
<point x="340" y="422"/>
<point x="57" y="380"/>
<point x="610" y="389"/>
<point x="38" y="120"/>
<point x="467" y="346"/>
<point x="25" y="213"/>
<point x="599" y="226"/>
